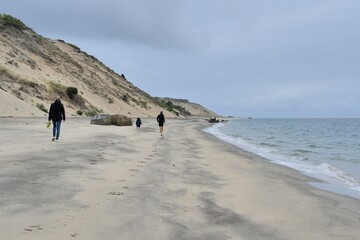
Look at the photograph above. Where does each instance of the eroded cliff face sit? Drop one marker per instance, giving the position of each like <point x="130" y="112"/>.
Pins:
<point x="35" y="70"/>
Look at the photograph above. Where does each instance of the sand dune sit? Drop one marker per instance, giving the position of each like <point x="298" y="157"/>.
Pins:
<point x="12" y="106"/>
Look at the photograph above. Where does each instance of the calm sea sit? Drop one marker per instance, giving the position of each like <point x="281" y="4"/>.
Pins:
<point x="328" y="149"/>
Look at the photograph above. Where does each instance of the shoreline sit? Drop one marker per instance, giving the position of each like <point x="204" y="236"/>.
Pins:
<point x="321" y="181"/>
<point x="318" y="181"/>
<point x="107" y="182"/>
<point x="313" y="181"/>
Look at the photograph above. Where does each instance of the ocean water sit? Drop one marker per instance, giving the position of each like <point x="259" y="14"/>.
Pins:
<point x="327" y="149"/>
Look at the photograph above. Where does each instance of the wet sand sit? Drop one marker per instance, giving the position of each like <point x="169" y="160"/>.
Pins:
<point x="108" y="182"/>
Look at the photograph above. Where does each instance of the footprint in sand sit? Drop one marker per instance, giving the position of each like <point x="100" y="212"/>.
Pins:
<point x="134" y="170"/>
<point x="115" y="193"/>
<point x="94" y="162"/>
<point x="34" y="227"/>
<point x="143" y="162"/>
<point x="140" y="166"/>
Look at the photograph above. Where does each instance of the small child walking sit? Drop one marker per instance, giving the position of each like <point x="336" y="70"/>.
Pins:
<point x="138" y="124"/>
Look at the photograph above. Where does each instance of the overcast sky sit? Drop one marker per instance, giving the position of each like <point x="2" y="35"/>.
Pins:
<point x="259" y="58"/>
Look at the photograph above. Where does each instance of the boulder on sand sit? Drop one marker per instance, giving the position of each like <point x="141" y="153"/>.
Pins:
<point x="107" y="119"/>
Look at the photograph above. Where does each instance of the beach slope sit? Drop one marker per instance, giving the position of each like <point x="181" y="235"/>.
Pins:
<point x="109" y="182"/>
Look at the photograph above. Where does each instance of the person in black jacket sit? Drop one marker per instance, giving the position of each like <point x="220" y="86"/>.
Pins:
<point x="161" y="120"/>
<point x="56" y="115"/>
<point x="138" y="124"/>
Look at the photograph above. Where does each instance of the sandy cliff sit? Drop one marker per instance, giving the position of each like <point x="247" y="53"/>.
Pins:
<point x="34" y="70"/>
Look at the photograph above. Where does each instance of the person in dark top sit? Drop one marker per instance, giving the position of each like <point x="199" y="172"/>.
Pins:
<point x="56" y="115"/>
<point x="161" y="120"/>
<point x="138" y="124"/>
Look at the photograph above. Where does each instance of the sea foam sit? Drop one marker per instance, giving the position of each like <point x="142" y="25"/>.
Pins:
<point x="297" y="147"/>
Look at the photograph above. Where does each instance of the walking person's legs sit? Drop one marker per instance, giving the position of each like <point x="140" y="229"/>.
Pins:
<point x="58" y="125"/>
<point x="161" y="129"/>
<point x="54" y="130"/>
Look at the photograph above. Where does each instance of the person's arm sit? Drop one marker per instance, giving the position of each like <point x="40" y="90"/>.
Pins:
<point x="63" y="112"/>
<point x="50" y="112"/>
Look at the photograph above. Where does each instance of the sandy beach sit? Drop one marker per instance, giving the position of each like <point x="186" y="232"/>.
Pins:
<point x="109" y="182"/>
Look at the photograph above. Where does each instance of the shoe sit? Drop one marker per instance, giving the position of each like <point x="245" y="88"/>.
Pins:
<point x="53" y="139"/>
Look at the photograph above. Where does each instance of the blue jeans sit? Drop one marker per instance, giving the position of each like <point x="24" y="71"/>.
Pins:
<point x="56" y="129"/>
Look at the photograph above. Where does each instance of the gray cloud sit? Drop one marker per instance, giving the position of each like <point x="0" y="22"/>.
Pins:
<point x="259" y="58"/>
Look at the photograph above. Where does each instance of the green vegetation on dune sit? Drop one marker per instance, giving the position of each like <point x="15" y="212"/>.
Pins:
<point x="57" y="88"/>
<point x="41" y="107"/>
<point x="3" y="69"/>
<point x="171" y="107"/>
<point x="12" y="21"/>
<point x="68" y="93"/>
<point x="71" y="92"/>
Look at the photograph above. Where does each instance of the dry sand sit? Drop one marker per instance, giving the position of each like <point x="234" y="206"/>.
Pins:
<point x="108" y="182"/>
